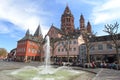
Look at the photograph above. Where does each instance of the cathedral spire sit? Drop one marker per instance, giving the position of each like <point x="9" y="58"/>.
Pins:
<point x="67" y="10"/>
<point x="89" y="27"/>
<point x="82" y="22"/>
<point x="38" y="31"/>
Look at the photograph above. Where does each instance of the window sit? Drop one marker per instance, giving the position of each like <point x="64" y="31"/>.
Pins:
<point x="66" y="49"/>
<point x="32" y="50"/>
<point x="58" y="50"/>
<point x="74" y="49"/>
<point x="83" y="49"/>
<point x="62" y="43"/>
<point x="58" y="43"/>
<point x="109" y="46"/>
<point x="92" y="48"/>
<point x="74" y="42"/>
<point x="68" y="19"/>
<point x="100" y="47"/>
<point x="70" y="42"/>
<point x="66" y="42"/>
<point x="29" y="50"/>
<point x="62" y="49"/>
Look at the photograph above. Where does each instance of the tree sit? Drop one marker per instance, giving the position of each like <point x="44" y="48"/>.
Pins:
<point x="53" y="46"/>
<point x="3" y="52"/>
<point x="112" y="30"/>
<point x="87" y="37"/>
<point x="66" y="39"/>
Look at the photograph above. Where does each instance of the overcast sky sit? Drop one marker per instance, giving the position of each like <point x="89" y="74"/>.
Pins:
<point x="16" y="16"/>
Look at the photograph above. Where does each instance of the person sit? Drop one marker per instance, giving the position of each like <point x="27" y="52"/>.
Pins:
<point x="104" y="64"/>
<point x="101" y="65"/>
<point x="93" y="64"/>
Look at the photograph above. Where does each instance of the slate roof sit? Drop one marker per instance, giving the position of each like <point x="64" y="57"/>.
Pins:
<point x="59" y="31"/>
<point x="103" y="38"/>
<point x="31" y="38"/>
<point x="38" y="31"/>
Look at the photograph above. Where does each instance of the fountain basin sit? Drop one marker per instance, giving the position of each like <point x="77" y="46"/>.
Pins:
<point x="34" y="73"/>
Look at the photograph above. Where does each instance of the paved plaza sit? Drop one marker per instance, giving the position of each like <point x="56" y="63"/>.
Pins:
<point x="101" y="73"/>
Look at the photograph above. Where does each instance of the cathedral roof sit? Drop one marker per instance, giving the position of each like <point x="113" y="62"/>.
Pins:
<point x="59" y="30"/>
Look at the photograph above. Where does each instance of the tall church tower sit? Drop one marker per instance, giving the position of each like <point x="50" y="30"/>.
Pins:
<point x="82" y="23"/>
<point x="89" y="27"/>
<point x="67" y="21"/>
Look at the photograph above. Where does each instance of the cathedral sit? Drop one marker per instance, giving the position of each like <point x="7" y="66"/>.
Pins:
<point x="67" y="43"/>
<point x="67" y="25"/>
<point x="67" y="39"/>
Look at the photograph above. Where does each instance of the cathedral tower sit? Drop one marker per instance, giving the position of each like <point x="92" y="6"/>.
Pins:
<point x="88" y="27"/>
<point x="82" y="23"/>
<point x="67" y="21"/>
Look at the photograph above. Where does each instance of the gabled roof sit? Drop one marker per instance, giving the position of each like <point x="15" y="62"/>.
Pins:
<point x="58" y="30"/>
<point x="38" y="31"/>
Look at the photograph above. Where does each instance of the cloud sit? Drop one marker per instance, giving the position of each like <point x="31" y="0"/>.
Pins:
<point x="3" y="29"/>
<point x="24" y="14"/>
<point x="106" y="12"/>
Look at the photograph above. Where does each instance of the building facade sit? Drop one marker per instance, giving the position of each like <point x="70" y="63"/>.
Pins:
<point x="29" y="48"/>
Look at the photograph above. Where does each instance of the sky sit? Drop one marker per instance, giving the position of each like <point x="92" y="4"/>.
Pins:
<point x="16" y="16"/>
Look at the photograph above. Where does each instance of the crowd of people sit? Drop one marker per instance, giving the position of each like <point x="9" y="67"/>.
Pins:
<point x="93" y="64"/>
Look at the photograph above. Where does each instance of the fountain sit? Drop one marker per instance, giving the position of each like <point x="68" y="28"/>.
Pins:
<point x="45" y="72"/>
<point x="47" y="57"/>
